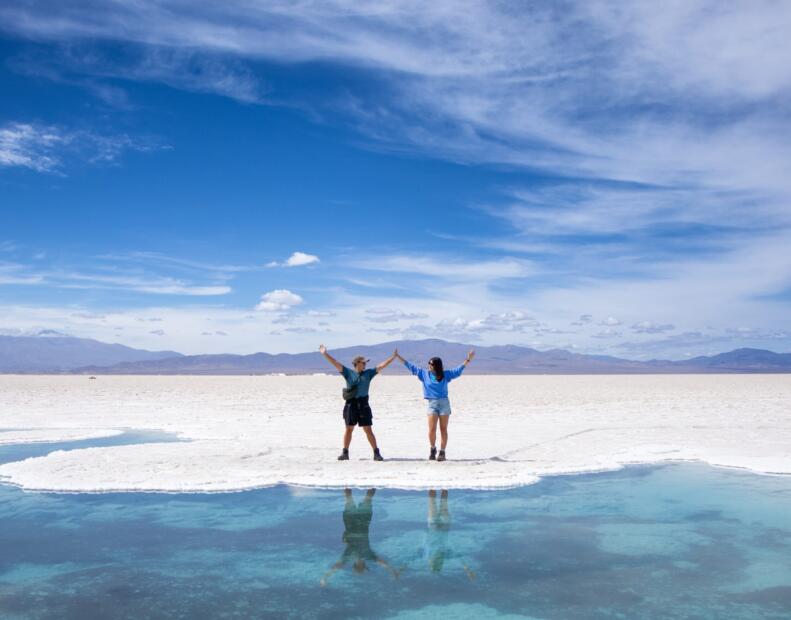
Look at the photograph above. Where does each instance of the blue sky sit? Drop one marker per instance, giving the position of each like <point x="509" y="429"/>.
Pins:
<point x="267" y="176"/>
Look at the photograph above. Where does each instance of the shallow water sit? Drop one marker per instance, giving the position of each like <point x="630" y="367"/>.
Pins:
<point x="18" y="452"/>
<point x="677" y="541"/>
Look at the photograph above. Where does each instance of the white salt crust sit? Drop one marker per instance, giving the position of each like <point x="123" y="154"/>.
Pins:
<point x="505" y="431"/>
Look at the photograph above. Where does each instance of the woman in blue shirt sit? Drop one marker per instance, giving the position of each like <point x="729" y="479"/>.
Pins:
<point x="435" y="381"/>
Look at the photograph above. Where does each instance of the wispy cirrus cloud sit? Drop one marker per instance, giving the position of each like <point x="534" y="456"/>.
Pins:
<point x="658" y="138"/>
<point x="45" y="148"/>
<point x="449" y="267"/>
<point x="30" y="146"/>
<point x="34" y="275"/>
<point x="392" y="315"/>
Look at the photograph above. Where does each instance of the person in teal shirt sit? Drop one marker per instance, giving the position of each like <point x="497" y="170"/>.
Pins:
<point x="435" y="381"/>
<point x="357" y="411"/>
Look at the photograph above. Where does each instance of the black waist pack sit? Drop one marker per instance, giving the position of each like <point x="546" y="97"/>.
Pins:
<point x="350" y="393"/>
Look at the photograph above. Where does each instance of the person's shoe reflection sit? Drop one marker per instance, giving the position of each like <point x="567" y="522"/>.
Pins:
<point x="357" y="522"/>
<point x="439" y="522"/>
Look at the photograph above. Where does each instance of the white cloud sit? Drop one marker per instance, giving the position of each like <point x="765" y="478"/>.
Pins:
<point x="584" y="319"/>
<point x="649" y="327"/>
<point x="301" y="330"/>
<point x="390" y="315"/>
<point x="610" y="321"/>
<point x="297" y="259"/>
<point x="30" y="146"/>
<point x="607" y="333"/>
<point x="157" y="285"/>
<point x="12" y="273"/>
<point x="451" y="268"/>
<point x="43" y="147"/>
<point x="279" y="300"/>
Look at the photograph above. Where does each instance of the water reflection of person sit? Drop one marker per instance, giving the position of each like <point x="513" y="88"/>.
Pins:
<point x="437" y="550"/>
<point x="357" y="521"/>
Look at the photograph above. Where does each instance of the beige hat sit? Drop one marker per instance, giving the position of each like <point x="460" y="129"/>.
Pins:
<point x="359" y="358"/>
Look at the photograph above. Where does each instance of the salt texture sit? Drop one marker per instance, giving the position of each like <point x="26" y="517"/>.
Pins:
<point x="247" y="432"/>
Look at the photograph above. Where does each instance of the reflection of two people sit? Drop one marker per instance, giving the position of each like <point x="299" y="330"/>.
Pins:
<point x="437" y="551"/>
<point x="357" y="522"/>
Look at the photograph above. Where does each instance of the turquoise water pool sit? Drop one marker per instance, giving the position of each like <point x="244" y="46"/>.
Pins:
<point x="677" y="541"/>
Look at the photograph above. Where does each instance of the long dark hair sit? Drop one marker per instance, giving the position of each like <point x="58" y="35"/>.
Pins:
<point x="436" y="364"/>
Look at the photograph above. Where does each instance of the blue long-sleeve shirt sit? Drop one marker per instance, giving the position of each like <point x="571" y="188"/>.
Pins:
<point x="431" y="387"/>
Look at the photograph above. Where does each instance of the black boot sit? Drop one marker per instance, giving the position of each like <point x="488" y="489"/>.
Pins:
<point x="441" y="456"/>
<point x="377" y="456"/>
<point x="344" y="455"/>
<point x="433" y="454"/>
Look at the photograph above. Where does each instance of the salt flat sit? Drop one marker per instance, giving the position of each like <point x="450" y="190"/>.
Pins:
<point x="247" y="432"/>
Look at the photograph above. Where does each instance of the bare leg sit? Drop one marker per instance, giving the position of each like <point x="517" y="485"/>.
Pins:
<point x="347" y="437"/>
<point x="432" y="429"/>
<point x="443" y="429"/>
<point x="369" y="433"/>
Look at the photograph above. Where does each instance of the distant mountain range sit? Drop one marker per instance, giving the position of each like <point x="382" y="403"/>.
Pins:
<point x="52" y="352"/>
<point x="37" y="354"/>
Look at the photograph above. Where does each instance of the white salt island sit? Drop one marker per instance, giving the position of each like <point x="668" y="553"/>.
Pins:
<point x="248" y="432"/>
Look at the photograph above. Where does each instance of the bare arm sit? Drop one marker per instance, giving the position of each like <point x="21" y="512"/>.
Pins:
<point x="326" y="578"/>
<point x="382" y="562"/>
<point x="470" y="355"/>
<point x="330" y="359"/>
<point x="387" y="362"/>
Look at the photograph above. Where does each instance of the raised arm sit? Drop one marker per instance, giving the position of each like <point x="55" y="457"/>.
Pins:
<point x="330" y="359"/>
<point x="418" y="372"/>
<point x="387" y="362"/>
<point x="470" y="355"/>
<point x="455" y="373"/>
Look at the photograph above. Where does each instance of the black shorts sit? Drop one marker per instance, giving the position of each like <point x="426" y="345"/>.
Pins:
<point x="358" y="411"/>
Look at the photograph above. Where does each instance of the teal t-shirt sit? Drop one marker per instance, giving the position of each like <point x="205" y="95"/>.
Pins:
<point x="362" y="380"/>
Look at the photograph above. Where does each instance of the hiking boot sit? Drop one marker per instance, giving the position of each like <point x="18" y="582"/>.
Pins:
<point x="441" y="456"/>
<point x="377" y="455"/>
<point x="344" y="456"/>
<point x="433" y="455"/>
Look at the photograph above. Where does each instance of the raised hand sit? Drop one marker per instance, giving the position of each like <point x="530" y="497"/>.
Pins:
<point x="470" y="355"/>
<point x="322" y="349"/>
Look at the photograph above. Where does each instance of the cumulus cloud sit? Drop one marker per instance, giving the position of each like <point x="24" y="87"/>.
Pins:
<point x="606" y="333"/>
<point x="584" y="319"/>
<point x="279" y="300"/>
<point x="610" y="321"/>
<point x="505" y="322"/>
<point x="297" y="259"/>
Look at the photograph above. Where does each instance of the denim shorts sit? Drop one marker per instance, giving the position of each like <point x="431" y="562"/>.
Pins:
<point x="438" y="406"/>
